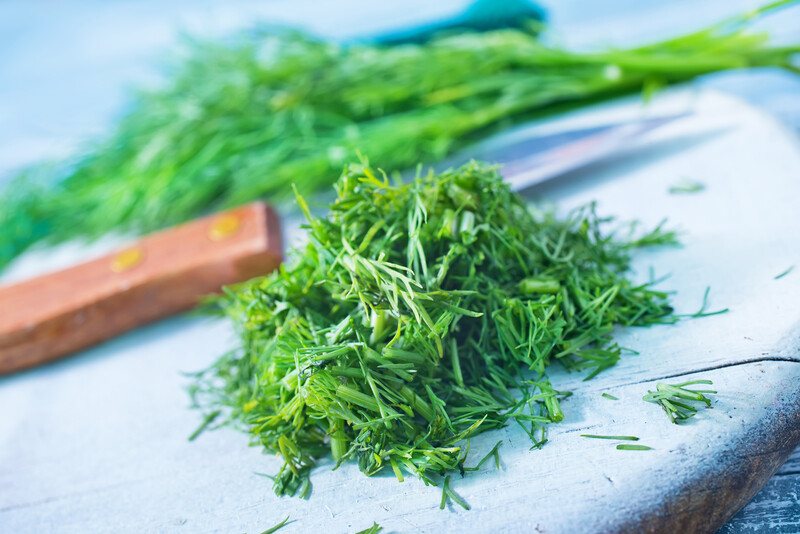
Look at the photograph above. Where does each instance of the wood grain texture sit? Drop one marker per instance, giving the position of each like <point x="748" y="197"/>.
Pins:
<point x="776" y="508"/>
<point x="167" y="272"/>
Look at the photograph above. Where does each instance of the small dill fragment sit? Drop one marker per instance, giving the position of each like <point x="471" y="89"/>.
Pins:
<point x="617" y="438"/>
<point x="677" y="399"/>
<point x="687" y="186"/>
<point x="704" y="306"/>
<point x="374" y="529"/>
<point x="278" y="526"/>
<point x="209" y="418"/>
<point x="494" y="453"/>
<point x="419" y="315"/>
<point x="609" y="396"/>
<point x="784" y="273"/>
<point x="449" y="493"/>
<point x="633" y="447"/>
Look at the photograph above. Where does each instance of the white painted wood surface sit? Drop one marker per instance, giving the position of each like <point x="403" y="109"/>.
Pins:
<point x="98" y="442"/>
<point x="64" y="68"/>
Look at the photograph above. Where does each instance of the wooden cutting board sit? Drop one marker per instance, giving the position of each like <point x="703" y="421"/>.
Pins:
<point x="98" y="442"/>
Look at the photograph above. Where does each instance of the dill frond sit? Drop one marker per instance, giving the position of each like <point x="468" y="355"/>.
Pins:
<point x="248" y="117"/>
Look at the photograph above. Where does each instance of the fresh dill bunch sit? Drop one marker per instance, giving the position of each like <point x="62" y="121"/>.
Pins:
<point x="249" y="117"/>
<point x="418" y="315"/>
<point x="678" y="401"/>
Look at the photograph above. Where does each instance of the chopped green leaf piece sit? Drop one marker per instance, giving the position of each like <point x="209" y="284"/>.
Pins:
<point x="687" y="187"/>
<point x="678" y="401"/>
<point x="449" y="494"/>
<point x="609" y="396"/>
<point x="209" y="418"/>
<point x="631" y="447"/>
<point x="374" y="529"/>
<point x="495" y="453"/>
<point x="278" y="526"/>
<point x="704" y="306"/>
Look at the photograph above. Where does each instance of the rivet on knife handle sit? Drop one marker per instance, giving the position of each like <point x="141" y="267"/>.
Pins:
<point x="164" y="273"/>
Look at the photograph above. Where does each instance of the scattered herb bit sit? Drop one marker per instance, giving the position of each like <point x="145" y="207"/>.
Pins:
<point x="704" y="306"/>
<point x="617" y="438"/>
<point x="784" y="273"/>
<point x="609" y="396"/>
<point x="495" y="452"/>
<point x="247" y="117"/>
<point x="278" y="526"/>
<point x="633" y="447"/>
<point x="449" y="494"/>
<point x="687" y="187"/>
<point x="676" y="399"/>
<point x="374" y="529"/>
<point x="402" y="328"/>
<point x="207" y="420"/>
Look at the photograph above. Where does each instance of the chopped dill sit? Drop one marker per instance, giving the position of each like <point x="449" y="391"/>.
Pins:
<point x="687" y="186"/>
<point x="421" y="314"/>
<point x="246" y="117"/>
<point x="494" y="453"/>
<point x="374" y="529"/>
<point x="784" y="273"/>
<point x="677" y="399"/>
<point x="449" y="493"/>
<point x="704" y="306"/>
<point x="617" y="438"/>
<point x="609" y="396"/>
<point x="207" y="420"/>
<point x="633" y="447"/>
<point x="279" y="526"/>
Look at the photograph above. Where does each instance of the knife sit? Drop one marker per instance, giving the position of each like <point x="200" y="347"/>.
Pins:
<point x="53" y="315"/>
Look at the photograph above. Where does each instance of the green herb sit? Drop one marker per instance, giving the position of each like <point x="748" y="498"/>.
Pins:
<point x="449" y="494"/>
<point x="374" y="529"/>
<point x="609" y="396"/>
<point x="494" y="453"/>
<point x="247" y="118"/>
<point x="784" y="273"/>
<point x="617" y="438"/>
<point x="278" y="526"/>
<point x="677" y="399"/>
<point x="630" y="447"/>
<point x="402" y="328"/>
<point x="209" y="418"/>
<point x="704" y="306"/>
<point x="687" y="187"/>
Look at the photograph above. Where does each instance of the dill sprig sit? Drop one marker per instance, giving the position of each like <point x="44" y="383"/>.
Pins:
<point x="449" y="494"/>
<point x="678" y="401"/>
<point x="418" y="315"/>
<point x="248" y="117"/>
<point x="278" y="526"/>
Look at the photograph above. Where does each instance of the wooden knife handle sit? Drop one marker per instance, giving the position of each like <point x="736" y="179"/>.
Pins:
<point x="48" y="317"/>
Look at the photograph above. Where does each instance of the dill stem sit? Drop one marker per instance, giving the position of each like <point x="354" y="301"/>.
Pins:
<point x="338" y="439"/>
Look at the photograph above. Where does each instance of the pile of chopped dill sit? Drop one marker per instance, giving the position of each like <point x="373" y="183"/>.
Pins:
<point x="420" y="314"/>
<point x="247" y="117"/>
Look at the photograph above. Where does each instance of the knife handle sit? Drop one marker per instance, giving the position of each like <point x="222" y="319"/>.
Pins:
<point x="167" y="272"/>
